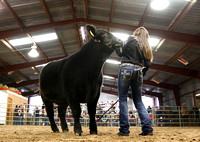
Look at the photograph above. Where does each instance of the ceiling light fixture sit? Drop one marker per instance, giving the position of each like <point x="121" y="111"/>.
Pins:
<point x="108" y="77"/>
<point x="183" y="61"/>
<point x="38" y="38"/>
<point x="45" y="37"/>
<point x="153" y="41"/>
<point x="33" y="52"/>
<point x="156" y="80"/>
<point x="159" y="4"/>
<point x="198" y="94"/>
<point x="113" y="61"/>
<point x="42" y="65"/>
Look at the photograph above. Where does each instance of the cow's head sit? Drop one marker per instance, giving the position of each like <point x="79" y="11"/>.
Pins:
<point x="104" y="37"/>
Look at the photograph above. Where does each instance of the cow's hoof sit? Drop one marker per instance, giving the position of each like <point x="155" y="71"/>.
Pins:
<point x="56" y="131"/>
<point x="78" y="134"/>
<point x="93" y="132"/>
<point x="65" y="131"/>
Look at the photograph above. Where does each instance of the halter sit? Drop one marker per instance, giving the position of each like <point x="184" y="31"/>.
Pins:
<point x="107" y="44"/>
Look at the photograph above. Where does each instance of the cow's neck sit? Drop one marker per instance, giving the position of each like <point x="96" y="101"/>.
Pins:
<point x="97" y="54"/>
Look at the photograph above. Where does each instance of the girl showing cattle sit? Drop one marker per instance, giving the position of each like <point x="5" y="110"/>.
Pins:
<point x="136" y="58"/>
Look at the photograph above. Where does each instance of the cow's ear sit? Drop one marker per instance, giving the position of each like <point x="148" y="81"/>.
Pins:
<point x="91" y="30"/>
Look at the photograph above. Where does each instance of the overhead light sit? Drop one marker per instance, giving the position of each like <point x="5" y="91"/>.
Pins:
<point x="33" y="52"/>
<point x="45" y="37"/>
<point x="121" y="36"/>
<point x="10" y="72"/>
<point x="19" y="81"/>
<point x="108" y="77"/>
<point x="191" y="0"/>
<point x="22" y="90"/>
<point x="183" y="61"/>
<point x="83" y="34"/>
<point x="38" y="38"/>
<point x="159" y="4"/>
<point x="20" y="41"/>
<point x="113" y="61"/>
<point x="42" y="65"/>
<point x="36" y="90"/>
<point x="156" y="80"/>
<point x="35" y="72"/>
<point x="153" y="41"/>
<point x="198" y="94"/>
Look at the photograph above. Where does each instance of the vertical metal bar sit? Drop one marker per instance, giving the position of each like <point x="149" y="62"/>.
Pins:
<point x="179" y="111"/>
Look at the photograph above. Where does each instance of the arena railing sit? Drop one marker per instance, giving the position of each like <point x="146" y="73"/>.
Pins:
<point x="167" y="116"/>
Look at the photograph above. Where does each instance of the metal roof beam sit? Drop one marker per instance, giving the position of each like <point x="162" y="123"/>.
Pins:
<point x="23" y="83"/>
<point x="179" y="71"/>
<point x="161" y="85"/>
<point x="164" y="68"/>
<point x="169" y="35"/>
<point x="16" y="67"/>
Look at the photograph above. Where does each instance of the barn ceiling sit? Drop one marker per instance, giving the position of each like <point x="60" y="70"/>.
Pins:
<point x="177" y="28"/>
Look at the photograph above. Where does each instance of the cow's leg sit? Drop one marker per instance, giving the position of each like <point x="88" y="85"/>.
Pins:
<point x="50" y="114"/>
<point x="61" y="113"/>
<point x="92" y="112"/>
<point x="76" y="112"/>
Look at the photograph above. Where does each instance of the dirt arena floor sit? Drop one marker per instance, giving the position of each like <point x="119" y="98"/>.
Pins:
<point x="107" y="134"/>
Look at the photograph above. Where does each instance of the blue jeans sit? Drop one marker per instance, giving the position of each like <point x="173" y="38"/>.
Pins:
<point x="132" y="76"/>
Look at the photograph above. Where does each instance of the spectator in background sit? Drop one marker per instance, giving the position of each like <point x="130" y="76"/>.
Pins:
<point x="149" y="110"/>
<point x="185" y="114"/>
<point x="195" y="112"/>
<point x="136" y="59"/>
<point x="37" y="115"/>
<point x="16" y="119"/>
<point x="45" y="120"/>
<point x="20" y="115"/>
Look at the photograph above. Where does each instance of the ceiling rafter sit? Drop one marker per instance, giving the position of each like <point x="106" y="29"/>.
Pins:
<point x="161" y="85"/>
<point x="145" y="14"/>
<point x="20" y="23"/>
<point x="146" y="92"/>
<point x="111" y="10"/>
<point x="44" y="5"/>
<point x="175" y="75"/>
<point x="37" y="92"/>
<point x="23" y="83"/>
<point x="169" y="35"/>
<point x="35" y="81"/>
<point x="17" y="52"/>
<point x="178" y="18"/>
<point x="18" y="72"/>
<point x="178" y="54"/>
<point x="86" y="9"/>
<point x="15" y="67"/>
<point x="76" y="26"/>
<point x="164" y="68"/>
<point x="12" y="13"/>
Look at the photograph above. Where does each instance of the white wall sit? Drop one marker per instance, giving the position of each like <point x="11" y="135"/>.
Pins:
<point x="35" y="101"/>
<point x="3" y="106"/>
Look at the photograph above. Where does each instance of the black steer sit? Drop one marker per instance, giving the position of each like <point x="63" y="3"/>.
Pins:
<point x="77" y="79"/>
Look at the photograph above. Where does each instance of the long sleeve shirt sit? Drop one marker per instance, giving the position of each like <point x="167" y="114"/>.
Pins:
<point x="131" y="53"/>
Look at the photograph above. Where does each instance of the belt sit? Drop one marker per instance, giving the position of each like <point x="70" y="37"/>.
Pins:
<point x="140" y="68"/>
<point x="129" y="64"/>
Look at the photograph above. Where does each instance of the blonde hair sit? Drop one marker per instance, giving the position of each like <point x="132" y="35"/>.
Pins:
<point x="143" y="35"/>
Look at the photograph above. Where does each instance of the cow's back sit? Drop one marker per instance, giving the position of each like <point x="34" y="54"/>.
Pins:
<point x="50" y="80"/>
